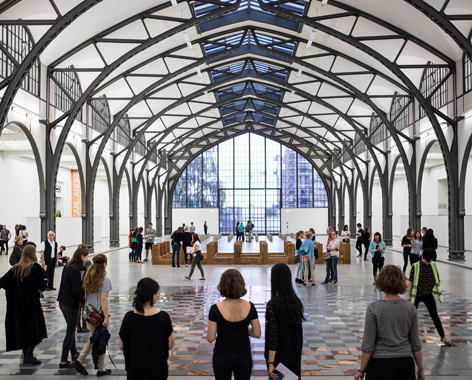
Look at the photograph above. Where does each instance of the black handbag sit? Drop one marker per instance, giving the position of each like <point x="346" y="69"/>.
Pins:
<point x="296" y="259"/>
<point x="199" y="255"/>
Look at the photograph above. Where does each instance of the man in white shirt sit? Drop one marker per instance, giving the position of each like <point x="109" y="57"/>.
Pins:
<point x="49" y="250"/>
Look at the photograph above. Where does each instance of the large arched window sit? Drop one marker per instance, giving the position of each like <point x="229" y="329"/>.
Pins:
<point x="250" y="177"/>
<point x="434" y="86"/>
<point x="467" y="73"/>
<point x="400" y="111"/>
<point x="67" y="90"/>
<point x="100" y="114"/>
<point x="17" y="43"/>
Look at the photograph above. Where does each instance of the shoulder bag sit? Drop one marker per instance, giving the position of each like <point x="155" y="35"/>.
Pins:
<point x="91" y="315"/>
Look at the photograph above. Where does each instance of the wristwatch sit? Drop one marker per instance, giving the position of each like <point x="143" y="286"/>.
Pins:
<point x="361" y="371"/>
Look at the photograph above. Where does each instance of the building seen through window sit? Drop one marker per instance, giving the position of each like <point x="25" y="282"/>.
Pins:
<point x="250" y="177"/>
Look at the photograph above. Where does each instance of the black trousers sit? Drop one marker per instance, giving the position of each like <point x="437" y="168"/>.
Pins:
<point x="359" y="244"/>
<point x="51" y="266"/>
<point x="240" y="367"/>
<point x="430" y="304"/>
<point x="390" y="369"/>
<point x="366" y="249"/>
<point x="71" y="316"/>
<point x="184" y="246"/>
<point x="406" y="256"/>
<point x="377" y="263"/>
<point x="4" y="244"/>
<point x="414" y="258"/>
<point x="161" y="375"/>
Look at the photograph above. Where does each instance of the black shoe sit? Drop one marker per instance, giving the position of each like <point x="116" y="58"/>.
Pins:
<point x="80" y="368"/>
<point x="178" y="266"/>
<point x="103" y="373"/>
<point x="47" y="290"/>
<point x="145" y="260"/>
<point x="68" y="365"/>
<point x="31" y="361"/>
<point x="51" y="288"/>
<point x="173" y="266"/>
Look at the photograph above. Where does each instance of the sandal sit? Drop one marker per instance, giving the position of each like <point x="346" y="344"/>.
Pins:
<point x="187" y="277"/>
<point x="202" y="278"/>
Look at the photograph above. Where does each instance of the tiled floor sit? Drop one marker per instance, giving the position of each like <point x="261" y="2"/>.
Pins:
<point x="332" y="332"/>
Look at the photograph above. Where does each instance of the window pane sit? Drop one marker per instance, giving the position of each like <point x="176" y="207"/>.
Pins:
<point x="241" y="161"/>
<point x="258" y="206"/>
<point x="257" y="161"/>
<point x="194" y="183"/>
<point x="210" y="178"/>
<point x="273" y="211"/>
<point x="225" y="150"/>
<point x="273" y="164"/>
<point x="320" y="196"/>
<point x="180" y="193"/>
<point x="226" y="212"/>
<point x="289" y="178"/>
<point x="305" y="182"/>
<point x="241" y="206"/>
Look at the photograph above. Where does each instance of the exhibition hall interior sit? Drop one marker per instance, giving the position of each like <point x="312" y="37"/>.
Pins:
<point x="283" y="115"/>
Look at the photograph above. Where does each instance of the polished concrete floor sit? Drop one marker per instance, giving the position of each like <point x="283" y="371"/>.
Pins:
<point x="332" y="332"/>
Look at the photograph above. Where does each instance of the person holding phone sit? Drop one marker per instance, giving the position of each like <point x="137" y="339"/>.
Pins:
<point x="284" y="317"/>
<point x="230" y="318"/>
<point x="377" y="249"/>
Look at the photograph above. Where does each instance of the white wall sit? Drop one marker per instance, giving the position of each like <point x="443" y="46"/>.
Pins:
<point x="376" y="207"/>
<point x="305" y="218"/>
<point x="198" y="217"/>
<point x="400" y="206"/>
<point x="124" y="208"/>
<point x="101" y="209"/>
<point x="19" y="193"/>
<point x="429" y="190"/>
<point x="468" y="207"/>
<point x="360" y="206"/>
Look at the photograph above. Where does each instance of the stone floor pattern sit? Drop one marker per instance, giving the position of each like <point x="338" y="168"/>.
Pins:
<point x="332" y="332"/>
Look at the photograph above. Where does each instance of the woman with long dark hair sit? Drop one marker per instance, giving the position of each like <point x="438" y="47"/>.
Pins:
<point x="430" y="241"/>
<point x="231" y="318"/>
<point x="70" y="297"/>
<point x="146" y="335"/>
<point x="300" y="267"/>
<point x="197" y="257"/>
<point x="407" y="243"/>
<point x="24" y="322"/>
<point x="96" y="284"/>
<point x="377" y="249"/>
<point x="284" y="317"/>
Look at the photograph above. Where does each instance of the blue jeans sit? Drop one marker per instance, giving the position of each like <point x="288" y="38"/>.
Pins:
<point x="176" y="251"/>
<point x="332" y="264"/>
<point x="300" y="268"/>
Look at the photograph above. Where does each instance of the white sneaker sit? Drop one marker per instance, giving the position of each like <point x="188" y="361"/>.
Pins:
<point x="446" y="342"/>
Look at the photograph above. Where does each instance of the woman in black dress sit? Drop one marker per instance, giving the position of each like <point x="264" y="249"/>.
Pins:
<point x="231" y="318"/>
<point x="24" y="323"/>
<point x="284" y="317"/>
<point x="146" y="335"/>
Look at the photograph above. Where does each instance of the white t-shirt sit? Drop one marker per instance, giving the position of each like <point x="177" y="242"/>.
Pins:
<point x="334" y="244"/>
<point x="197" y="246"/>
<point x="345" y="233"/>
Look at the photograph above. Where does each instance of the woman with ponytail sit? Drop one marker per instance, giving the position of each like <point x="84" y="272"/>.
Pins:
<point x="96" y="284"/>
<point x="146" y="335"/>
<point x="284" y="317"/>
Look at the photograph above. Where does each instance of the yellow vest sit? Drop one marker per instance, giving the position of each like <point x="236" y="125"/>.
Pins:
<point x="437" y="293"/>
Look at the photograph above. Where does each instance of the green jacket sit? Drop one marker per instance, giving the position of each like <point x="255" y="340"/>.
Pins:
<point x="437" y="292"/>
